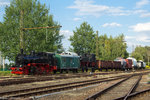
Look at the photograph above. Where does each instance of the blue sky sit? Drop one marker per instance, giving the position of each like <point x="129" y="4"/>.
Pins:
<point x="113" y="17"/>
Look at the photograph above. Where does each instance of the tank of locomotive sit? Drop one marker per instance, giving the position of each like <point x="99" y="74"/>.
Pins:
<point x="141" y="64"/>
<point x="67" y="61"/>
<point x="40" y="57"/>
<point x="134" y="62"/>
<point x="123" y="61"/>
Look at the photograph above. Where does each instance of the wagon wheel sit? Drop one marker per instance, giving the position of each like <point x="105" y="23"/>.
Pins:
<point x="54" y="71"/>
<point x="86" y="69"/>
<point x="93" y="69"/>
<point x="66" y="70"/>
<point x="32" y="70"/>
<point x="61" y="71"/>
<point x="82" y="69"/>
<point x="38" y="71"/>
<point x="44" y="72"/>
<point x="73" y="70"/>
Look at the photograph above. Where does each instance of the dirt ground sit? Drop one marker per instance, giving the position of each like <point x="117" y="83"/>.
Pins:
<point x="83" y="93"/>
<point x="142" y="86"/>
<point x="53" y="82"/>
<point x="79" y="93"/>
<point x="75" y="94"/>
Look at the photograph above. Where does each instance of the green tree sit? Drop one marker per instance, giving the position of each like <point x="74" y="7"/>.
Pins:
<point x="121" y="46"/>
<point x="35" y="14"/>
<point x="83" y="40"/>
<point x="103" y="45"/>
<point x="141" y="53"/>
<point x="111" y="48"/>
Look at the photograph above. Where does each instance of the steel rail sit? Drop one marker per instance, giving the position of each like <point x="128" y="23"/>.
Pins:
<point x="66" y="87"/>
<point x="60" y="88"/>
<point x="138" y="93"/>
<point x="133" y="94"/>
<point x="131" y="90"/>
<point x="42" y="78"/>
<point x="133" y="87"/>
<point x="93" y="97"/>
<point x="57" y="85"/>
<point x="30" y="80"/>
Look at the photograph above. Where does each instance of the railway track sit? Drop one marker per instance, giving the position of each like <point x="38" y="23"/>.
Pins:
<point x="47" y="78"/>
<point x="121" y="89"/>
<point x="55" y="88"/>
<point x="29" y="79"/>
<point x="141" y="95"/>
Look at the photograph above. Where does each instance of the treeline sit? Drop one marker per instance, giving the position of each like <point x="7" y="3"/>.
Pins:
<point x="111" y="48"/>
<point x="34" y="14"/>
<point x="85" y="40"/>
<point x="142" y="53"/>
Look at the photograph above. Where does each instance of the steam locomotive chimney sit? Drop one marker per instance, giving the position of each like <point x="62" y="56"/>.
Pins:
<point x="33" y="53"/>
<point x="21" y="50"/>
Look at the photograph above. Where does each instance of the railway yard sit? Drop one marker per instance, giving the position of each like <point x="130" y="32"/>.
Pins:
<point x="105" y="57"/>
<point x="114" y="85"/>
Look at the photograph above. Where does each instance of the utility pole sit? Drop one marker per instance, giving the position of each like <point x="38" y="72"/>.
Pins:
<point x="132" y="48"/>
<point x="48" y="27"/>
<point x="3" y="63"/>
<point x="41" y="27"/>
<point x="148" y="55"/>
<point x="0" y="60"/>
<point x="148" y="60"/>
<point x="21" y="28"/>
<point x="97" y="46"/>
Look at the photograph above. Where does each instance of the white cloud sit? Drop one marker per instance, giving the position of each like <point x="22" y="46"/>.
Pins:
<point x="114" y="24"/>
<point x="143" y="38"/>
<point x="142" y="3"/>
<point x="141" y="27"/>
<point x="145" y="15"/>
<point x="87" y="7"/>
<point x="66" y="33"/>
<point x="65" y="41"/>
<point x="4" y="3"/>
<point x="142" y="13"/>
<point x="138" y="39"/>
<point x="129" y="37"/>
<point x="139" y="11"/>
<point x="77" y="19"/>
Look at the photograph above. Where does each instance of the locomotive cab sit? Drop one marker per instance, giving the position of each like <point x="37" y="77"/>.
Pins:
<point x="88" y="61"/>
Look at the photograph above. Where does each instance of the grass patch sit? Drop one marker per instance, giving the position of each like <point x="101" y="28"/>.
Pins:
<point x="5" y="73"/>
<point x="148" y="67"/>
